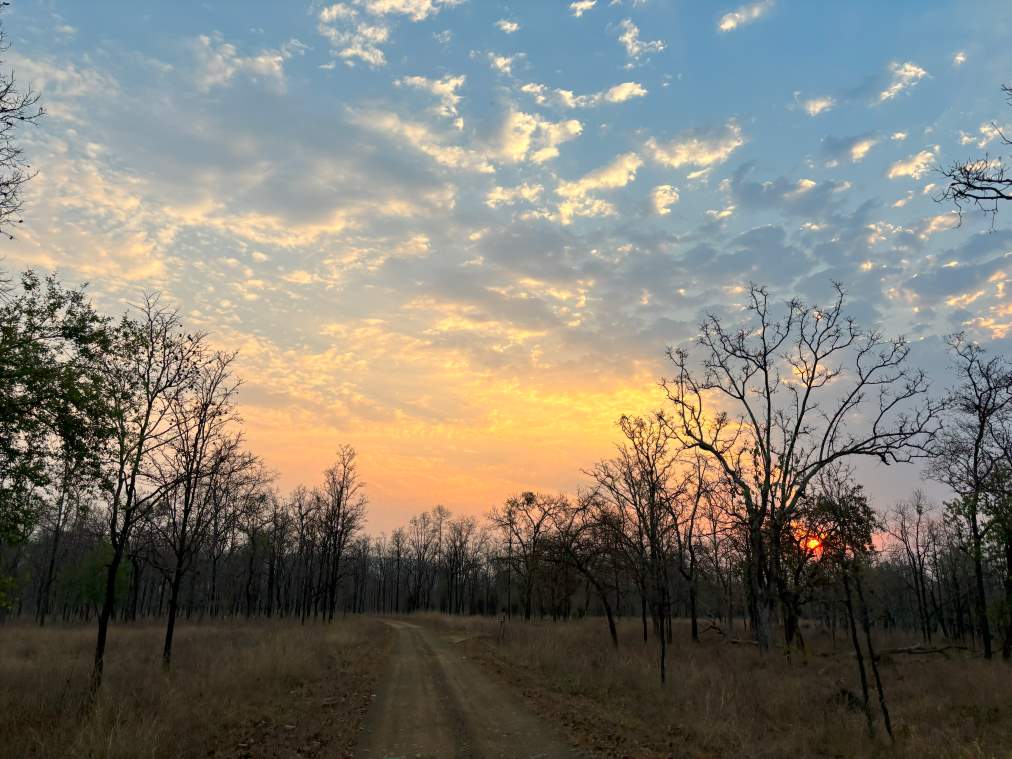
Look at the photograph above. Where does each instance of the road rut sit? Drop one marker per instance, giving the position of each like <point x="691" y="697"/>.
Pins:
<point x="434" y="702"/>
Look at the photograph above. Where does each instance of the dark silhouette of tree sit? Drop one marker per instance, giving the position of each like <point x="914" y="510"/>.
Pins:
<point x="781" y="397"/>
<point x="980" y="182"/>
<point x="17" y="108"/>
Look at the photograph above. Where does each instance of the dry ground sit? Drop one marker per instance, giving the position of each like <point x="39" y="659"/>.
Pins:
<point x="433" y="701"/>
<point x="259" y="689"/>
<point x="727" y="700"/>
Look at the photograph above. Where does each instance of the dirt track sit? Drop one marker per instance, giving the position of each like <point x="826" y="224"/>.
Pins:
<point x="433" y="702"/>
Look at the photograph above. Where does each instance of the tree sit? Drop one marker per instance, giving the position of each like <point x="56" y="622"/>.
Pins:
<point x="151" y="363"/>
<point x="17" y="108"/>
<point x="201" y="451"/>
<point x="846" y="542"/>
<point x="342" y="515"/>
<point x="981" y="182"/>
<point x="967" y="456"/>
<point x="637" y="488"/>
<point x="51" y="404"/>
<point x="781" y="397"/>
<point x="524" y="523"/>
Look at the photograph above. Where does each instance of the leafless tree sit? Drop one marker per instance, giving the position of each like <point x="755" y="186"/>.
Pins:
<point x="151" y="365"/>
<point x="201" y="451"/>
<point x="17" y="108"/>
<point x="980" y="182"/>
<point x="781" y="397"/>
<point x="342" y="515"/>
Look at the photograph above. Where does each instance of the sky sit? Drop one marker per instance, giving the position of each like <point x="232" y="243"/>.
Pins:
<point x="459" y="234"/>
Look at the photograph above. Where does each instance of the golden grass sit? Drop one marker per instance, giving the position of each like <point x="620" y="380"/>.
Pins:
<point x="728" y="700"/>
<point x="236" y="689"/>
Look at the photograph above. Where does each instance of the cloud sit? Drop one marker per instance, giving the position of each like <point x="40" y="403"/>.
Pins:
<point x="507" y="26"/>
<point x="577" y="198"/>
<point x="416" y="10"/>
<point x="635" y="48"/>
<point x="904" y="76"/>
<point x="987" y="132"/>
<point x="815" y="106"/>
<point x="581" y="6"/>
<point x="620" y="93"/>
<point x="445" y="89"/>
<point x="700" y="148"/>
<point x="503" y="63"/>
<point x="526" y="136"/>
<point x="218" y="63"/>
<point x="662" y="198"/>
<point x="352" y="38"/>
<point x="501" y="196"/>
<point x="851" y="148"/>
<point x="746" y="14"/>
<point x="423" y="139"/>
<point x="914" y="166"/>
<point x="959" y="58"/>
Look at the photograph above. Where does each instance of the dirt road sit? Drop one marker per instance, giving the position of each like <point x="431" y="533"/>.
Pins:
<point x="433" y="702"/>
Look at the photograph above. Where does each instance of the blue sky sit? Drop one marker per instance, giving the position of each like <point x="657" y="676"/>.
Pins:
<point x="460" y="234"/>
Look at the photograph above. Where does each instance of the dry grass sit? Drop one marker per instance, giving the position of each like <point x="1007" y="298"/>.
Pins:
<point x="727" y="700"/>
<point x="263" y="689"/>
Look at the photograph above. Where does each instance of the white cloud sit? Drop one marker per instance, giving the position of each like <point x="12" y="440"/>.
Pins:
<point x="352" y="38"/>
<point x="526" y="136"/>
<point x="416" y="10"/>
<point x="503" y="63"/>
<point x="904" y="76"/>
<point x="898" y="136"/>
<point x="445" y="89"/>
<point x="218" y="62"/>
<point x="636" y="48"/>
<point x="581" y="6"/>
<point x="959" y="58"/>
<point x="860" y="148"/>
<point x="935" y="224"/>
<point x="662" y="198"/>
<point x="499" y="196"/>
<point x="914" y="166"/>
<point x="577" y="198"/>
<point x="421" y="138"/>
<point x="507" y="26"/>
<point x="620" y="93"/>
<point x="986" y="134"/>
<point x="746" y="14"/>
<point x="700" y="149"/>
<point x="815" y="106"/>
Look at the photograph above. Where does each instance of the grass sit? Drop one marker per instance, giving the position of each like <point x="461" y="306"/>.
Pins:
<point x="259" y="689"/>
<point x="728" y="700"/>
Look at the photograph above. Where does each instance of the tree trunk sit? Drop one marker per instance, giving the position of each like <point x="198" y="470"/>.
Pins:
<point x="857" y="652"/>
<point x="978" y="571"/>
<point x="170" y="626"/>
<point x="108" y="605"/>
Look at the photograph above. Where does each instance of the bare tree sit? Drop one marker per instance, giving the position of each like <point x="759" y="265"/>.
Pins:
<point x="524" y="522"/>
<point x="980" y="182"/>
<point x="152" y="362"/>
<point x="342" y="515"/>
<point x="781" y="397"/>
<point x="17" y="108"/>
<point x="637" y="487"/>
<point x="201" y="451"/>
